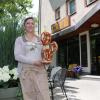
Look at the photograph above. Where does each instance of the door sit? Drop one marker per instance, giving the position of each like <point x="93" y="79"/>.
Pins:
<point x="95" y="51"/>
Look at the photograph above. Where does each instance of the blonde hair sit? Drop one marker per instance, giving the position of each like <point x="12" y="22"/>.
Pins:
<point x="28" y="19"/>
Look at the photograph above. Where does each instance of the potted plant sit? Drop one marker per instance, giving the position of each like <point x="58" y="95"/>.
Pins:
<point x="77" y="70"/>
<point x="8" y="83"/>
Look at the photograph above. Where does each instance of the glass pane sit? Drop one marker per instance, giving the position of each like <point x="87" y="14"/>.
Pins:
<point x="72" y="6"/>
<point x="73" y="51"/>
<point x="95" y="51"/>
<point x="57" y="13"/>
<point x="84" y="51"/>
<point x="62" y="54"/>
<point x="68" y="52"/>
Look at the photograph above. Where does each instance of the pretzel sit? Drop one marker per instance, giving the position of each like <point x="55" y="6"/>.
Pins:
<point x="48" y="47"/>
<point x="53" y="46"/>
<point x="46" y="38"/>
<point x="47" y="54"/>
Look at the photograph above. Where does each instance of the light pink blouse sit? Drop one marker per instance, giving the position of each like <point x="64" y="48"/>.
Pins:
<point x="27" y="52"/>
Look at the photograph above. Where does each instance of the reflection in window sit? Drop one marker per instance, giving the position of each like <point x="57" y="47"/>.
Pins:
<point x="68" y="52"/>
<point x="83" y="51"/>
<point x="62" y="54"/>
<point x="57" y="13"/>
<point x="73" y="51"/>
<point x="72" y="8"/>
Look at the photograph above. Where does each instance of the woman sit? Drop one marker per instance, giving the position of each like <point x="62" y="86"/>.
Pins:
<point x="32" y="74"/>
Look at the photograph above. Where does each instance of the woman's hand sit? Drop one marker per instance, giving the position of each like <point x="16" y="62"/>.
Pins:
<point x="46" y="62"/>
<point x="38" y="63"/>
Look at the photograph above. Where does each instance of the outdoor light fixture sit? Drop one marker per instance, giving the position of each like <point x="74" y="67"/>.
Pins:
<point x="94" y="25"/>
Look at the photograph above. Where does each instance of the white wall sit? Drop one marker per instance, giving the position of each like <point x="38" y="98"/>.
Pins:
<point x="81" y="11"/>
<point x="62" y="11"/>
<point x="48" y="14"/>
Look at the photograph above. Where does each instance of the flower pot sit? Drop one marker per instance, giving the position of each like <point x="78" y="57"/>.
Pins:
<point x="9" y="94"/>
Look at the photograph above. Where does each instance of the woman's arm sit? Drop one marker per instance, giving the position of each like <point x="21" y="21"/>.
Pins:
<point x="19" y="53"/>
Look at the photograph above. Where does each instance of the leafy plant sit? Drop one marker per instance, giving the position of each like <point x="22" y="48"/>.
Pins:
<point x="8" y="78"/>
<point x="14" y="7"/>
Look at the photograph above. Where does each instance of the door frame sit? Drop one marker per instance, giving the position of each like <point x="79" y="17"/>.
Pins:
<point x="88" y="67"/>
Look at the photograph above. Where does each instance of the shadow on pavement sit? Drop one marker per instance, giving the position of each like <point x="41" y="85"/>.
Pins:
<point x="58" y="95"/>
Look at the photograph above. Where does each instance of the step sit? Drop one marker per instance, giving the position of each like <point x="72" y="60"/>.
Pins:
<point x="93" y="77"/>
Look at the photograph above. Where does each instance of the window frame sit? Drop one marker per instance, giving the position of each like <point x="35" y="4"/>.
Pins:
<point x="57" y="13"/>
<point x="87" y="4"/>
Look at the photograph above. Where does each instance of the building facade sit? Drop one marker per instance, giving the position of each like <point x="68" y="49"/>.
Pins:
<point x="75" y="25"/>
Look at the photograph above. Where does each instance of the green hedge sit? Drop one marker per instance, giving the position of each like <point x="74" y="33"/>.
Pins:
<point x="9" y="30"/>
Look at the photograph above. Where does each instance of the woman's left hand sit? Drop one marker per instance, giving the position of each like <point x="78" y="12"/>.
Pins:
<point x="38" y="63"/>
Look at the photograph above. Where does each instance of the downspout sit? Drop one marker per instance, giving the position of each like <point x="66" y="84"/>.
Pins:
<point x="39" y="18"/>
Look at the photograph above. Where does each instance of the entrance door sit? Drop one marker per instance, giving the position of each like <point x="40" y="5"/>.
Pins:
<point x="85" y="51"/>
<point x="95" y="52"/>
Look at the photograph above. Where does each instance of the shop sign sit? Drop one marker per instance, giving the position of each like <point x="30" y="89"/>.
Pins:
<point x="63" y="23"/>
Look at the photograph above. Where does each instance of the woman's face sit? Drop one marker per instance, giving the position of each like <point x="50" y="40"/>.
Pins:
<point x="29" y="26"/>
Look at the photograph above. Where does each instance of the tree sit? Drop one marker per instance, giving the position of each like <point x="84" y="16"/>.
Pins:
<point x="11" y="12"/>
<point x="14" y="7"/>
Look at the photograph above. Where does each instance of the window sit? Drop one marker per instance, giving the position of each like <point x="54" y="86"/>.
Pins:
<point x="84" y="60"/>
<point x="89" y="1"/>
<point x="62" y="54"/>
<point x="68" y="52"/>
<point x="73" y="50"/>
<point x="72" y="8"/>
<point x="57" y="13"/>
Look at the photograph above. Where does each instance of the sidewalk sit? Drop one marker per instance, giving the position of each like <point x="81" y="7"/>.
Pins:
<point x="86" y="88"/>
